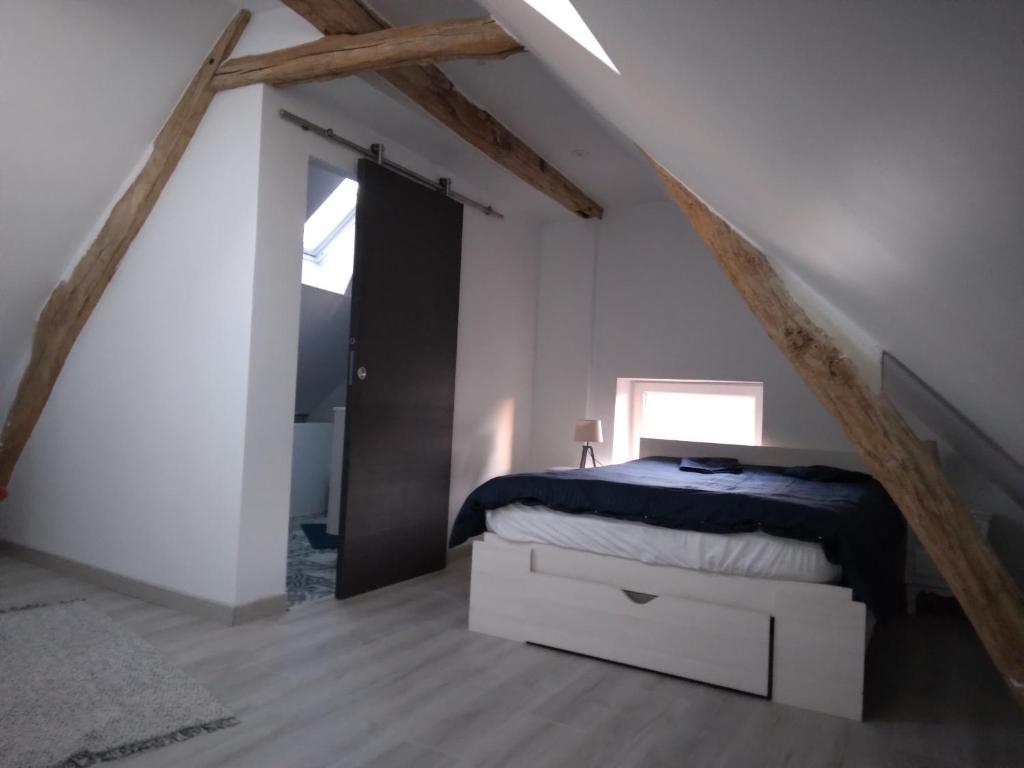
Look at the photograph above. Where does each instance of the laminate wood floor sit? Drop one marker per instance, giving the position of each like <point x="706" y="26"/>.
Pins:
<point x="394" y="678"/>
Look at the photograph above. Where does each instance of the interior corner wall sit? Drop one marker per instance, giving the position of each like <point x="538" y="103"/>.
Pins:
<point x="659" y="307"/>
<point x="135" y="466"/>
<point x="565" y="307"/>
<point x="494" y="362"/>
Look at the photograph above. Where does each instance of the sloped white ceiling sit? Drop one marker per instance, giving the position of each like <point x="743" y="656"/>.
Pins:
<point x="874" y="147"/>
<point x="84" y="88"/>
<point x="532" y="102"/>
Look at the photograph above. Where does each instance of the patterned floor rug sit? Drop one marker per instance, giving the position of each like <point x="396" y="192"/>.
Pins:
<point x="77" y="689"/>
<point x="311" y="572"/>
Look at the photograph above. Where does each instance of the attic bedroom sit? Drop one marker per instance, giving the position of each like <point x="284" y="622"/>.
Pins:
<point x="511" y="382"/>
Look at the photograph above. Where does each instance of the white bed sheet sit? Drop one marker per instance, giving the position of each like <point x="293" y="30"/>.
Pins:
<point x="757" y="554"/>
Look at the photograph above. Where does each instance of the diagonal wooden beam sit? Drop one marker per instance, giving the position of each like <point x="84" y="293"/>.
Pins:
<point x="340" y="55"/>
<point x="906" y="467"/>
<point x="73" y="301"/>
<point x="428" y="87"/>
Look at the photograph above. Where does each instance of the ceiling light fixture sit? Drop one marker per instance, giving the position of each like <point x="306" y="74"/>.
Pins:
<point x="564" y="15"/>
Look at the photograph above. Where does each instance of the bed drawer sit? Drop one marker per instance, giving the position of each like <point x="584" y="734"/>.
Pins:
<point x="701" y="641"/>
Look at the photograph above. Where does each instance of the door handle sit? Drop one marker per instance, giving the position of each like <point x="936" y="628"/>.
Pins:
<point x="361" y="373"/>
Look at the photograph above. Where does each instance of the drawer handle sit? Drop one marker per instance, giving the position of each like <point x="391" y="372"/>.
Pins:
<point x="640" y="598"/>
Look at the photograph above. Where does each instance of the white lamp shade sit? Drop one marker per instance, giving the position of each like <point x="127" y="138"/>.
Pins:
<point x="589" y="431"/>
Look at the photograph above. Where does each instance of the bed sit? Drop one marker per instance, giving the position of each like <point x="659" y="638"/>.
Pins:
<point x="738" y="575"/>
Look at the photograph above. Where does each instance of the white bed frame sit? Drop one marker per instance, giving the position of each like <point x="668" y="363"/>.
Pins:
<point x="795" y="643"/>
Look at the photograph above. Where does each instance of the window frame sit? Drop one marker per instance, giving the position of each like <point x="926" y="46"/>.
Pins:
<point x="638" y="387"/>
<point x="314" y="258"/>
<point x="317" y="254"/>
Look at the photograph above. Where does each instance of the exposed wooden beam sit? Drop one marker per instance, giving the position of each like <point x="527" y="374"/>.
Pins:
<point x="906" y="467"/>
<point x="341" y="55"/>
<point x="73" y="301"/>
<point x="428" y="87"/>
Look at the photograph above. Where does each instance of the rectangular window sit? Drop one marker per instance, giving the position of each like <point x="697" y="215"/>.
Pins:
<point x="693" y="411"/>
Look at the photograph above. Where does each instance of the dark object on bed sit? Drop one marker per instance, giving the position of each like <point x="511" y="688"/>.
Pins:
<point x="849" y="513"/>
<point x="711" y="466"/>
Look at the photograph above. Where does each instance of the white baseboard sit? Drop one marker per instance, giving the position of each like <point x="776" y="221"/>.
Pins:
<point x="151" y="593"/>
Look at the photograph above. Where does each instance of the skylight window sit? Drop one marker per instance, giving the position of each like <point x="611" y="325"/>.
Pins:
<point x="564" y="15"/>
<point x="328" y="241"/>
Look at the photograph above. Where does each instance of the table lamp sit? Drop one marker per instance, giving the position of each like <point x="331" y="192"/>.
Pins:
<point x="588" y="431"/>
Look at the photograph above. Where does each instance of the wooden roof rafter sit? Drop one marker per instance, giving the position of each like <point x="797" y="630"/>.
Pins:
<point x="429" y="88"/>
<point x="336" y="56"/>
<point x="908" y="468"/>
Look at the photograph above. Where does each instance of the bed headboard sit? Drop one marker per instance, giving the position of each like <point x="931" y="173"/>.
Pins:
<point x="753" y="454"/>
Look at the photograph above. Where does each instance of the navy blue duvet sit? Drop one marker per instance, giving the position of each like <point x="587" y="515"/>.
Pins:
<point x="849" y="513"/>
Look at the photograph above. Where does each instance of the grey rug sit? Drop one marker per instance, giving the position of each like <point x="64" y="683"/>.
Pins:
<point x="76" y="689"/>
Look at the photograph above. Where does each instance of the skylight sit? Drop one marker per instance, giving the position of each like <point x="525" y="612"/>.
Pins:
<point x="328" y="241"/>
<point x="564" y="15"/>
<point x="323" y="225"/>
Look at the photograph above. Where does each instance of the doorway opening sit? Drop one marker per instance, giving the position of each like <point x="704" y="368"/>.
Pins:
<point x="328" y="258"/>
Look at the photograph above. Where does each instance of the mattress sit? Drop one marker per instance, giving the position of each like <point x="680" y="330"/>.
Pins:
<point x="756" y="554"/>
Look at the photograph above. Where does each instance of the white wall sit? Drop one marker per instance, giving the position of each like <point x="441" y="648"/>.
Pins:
<point x="662" y="308"/>
<point x="136" y="464"/>
<point x="494" y="364"/>
<point x="565" y="320"/>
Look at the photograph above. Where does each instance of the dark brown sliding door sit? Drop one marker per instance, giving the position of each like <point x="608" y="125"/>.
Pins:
<point x="401" y="395"/>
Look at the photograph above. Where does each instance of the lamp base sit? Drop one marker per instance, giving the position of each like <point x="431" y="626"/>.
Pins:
<point x="588" y="450"/>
